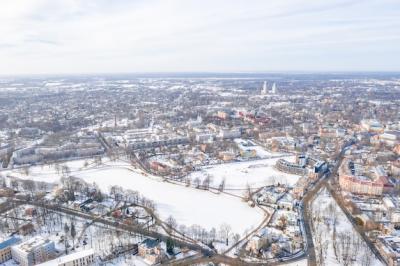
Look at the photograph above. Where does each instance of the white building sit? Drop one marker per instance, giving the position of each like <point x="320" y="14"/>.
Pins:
<point x="34" y="251"/>
<point x="80" y="258"/>
<point x="264" y="90"/>
<point x="229" y="133"/>
<point x="273" y="88"/>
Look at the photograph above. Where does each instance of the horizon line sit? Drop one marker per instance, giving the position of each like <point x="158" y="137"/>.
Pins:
<point x="280" y="72"/>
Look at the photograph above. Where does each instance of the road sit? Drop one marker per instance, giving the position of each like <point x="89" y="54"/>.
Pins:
<point x="339" y="201"/>
<point x="308" y="199"/>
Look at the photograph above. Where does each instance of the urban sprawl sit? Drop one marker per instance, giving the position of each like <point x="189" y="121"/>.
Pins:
<point x="294" y="169"/>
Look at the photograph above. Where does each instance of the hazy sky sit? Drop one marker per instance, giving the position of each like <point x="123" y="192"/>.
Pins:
<point x="98" y="36"/>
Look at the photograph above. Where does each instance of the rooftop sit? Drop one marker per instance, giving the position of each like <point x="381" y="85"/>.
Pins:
<point x="9" y="242"/>
<point x="68" y="258"/>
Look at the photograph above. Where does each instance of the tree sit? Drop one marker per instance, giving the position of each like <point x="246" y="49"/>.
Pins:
<point x="116" y="192"/>
<point x="188" y="181"/>
<point x="73" y="235"/>
<point x="283" y="222"/>
<point x="66" y="230"/>
<point x="206" y="182"/>
<point x="29" y="185"/>
<point x="247" y="193"/>
<point x="236" y="238"/>
<point x="196" y="182"/>
<point x="225" y="231"/>
<point x="221" y="186"/>
<point x="26" y="170"/>
<point x="65" y="170"/>
<point x="171" y="222"/>
<point x="3" y="183"/>
<point x="14" y="184"/>
<point x="212" y="234"/>
<point x="170" y="245"/>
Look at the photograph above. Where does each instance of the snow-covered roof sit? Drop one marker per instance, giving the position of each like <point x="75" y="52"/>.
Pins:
<point x="68" y="258"/>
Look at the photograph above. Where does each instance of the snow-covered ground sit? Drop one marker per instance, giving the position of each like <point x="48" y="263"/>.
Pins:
<point x="237" y="175"/>
<point x="346" y="241"/>
<point x="303" y="262"/>
<point x="187" y="205"/>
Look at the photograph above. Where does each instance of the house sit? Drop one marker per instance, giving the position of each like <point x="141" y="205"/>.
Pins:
<point x="226" y="156"/>
<point x="30" y="211"/>
<point x="150" y="250"/>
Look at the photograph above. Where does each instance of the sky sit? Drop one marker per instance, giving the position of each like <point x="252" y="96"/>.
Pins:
<point x="131" y="36"/>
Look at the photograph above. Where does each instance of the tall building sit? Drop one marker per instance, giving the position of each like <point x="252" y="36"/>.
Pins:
<point x="264" y="90"/>
<point x="274" y="88"/>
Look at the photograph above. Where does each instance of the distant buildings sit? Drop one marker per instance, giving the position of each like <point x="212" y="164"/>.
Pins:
<point x="390" y="138"/>
<point x="371" y="125"/>
<point x="264" y="90"/>
<point x="226" y="133"/>
<point x="149" y="138"/>
<point x="273" y="88"/>
<point x="81" y="147"/>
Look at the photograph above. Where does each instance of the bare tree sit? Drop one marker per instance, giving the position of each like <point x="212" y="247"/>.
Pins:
<point x="196" y="182"/>
<point x="225" y="231"/>
<point x="171" y="222"/>
<point x="221" y="186"/>
<point x="73" y="235"/>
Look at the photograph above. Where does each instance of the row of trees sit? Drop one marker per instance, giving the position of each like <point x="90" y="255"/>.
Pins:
<point x="347" y="246"/>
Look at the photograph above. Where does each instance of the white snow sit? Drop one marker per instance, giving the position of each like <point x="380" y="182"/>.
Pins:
<point x="324" y="207"/>
<point x="256" y="173"/>
<point x="187" y="205"/>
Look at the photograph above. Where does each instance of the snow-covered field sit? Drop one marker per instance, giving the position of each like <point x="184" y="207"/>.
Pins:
<point x="237" y="175"/>
<point x="345" y="247"/>
<point x="187" y="205"/>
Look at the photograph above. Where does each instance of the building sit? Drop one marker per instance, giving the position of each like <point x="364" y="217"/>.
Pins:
<point x="80" y="258"/>
<point x="5" y="248"/>
<point x="390" y="138"/>
<point x="389" y="248"/>
<point x="205" y="137"/>
<point x="34" y="251"/>
<point x="157" y="141"/>
<point x="264" y="90"/>
<point x="150" y="251"/>
<point x="305" y="166"/>
<point x="351" y="179"/>
<point x="273" y="90"/>
<point x="223" y="115"/>
<point x="226" y="156"/>
<point x="229" y="133"/>
<point x="291" y="168"/>
<point x="371" y="125"/>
